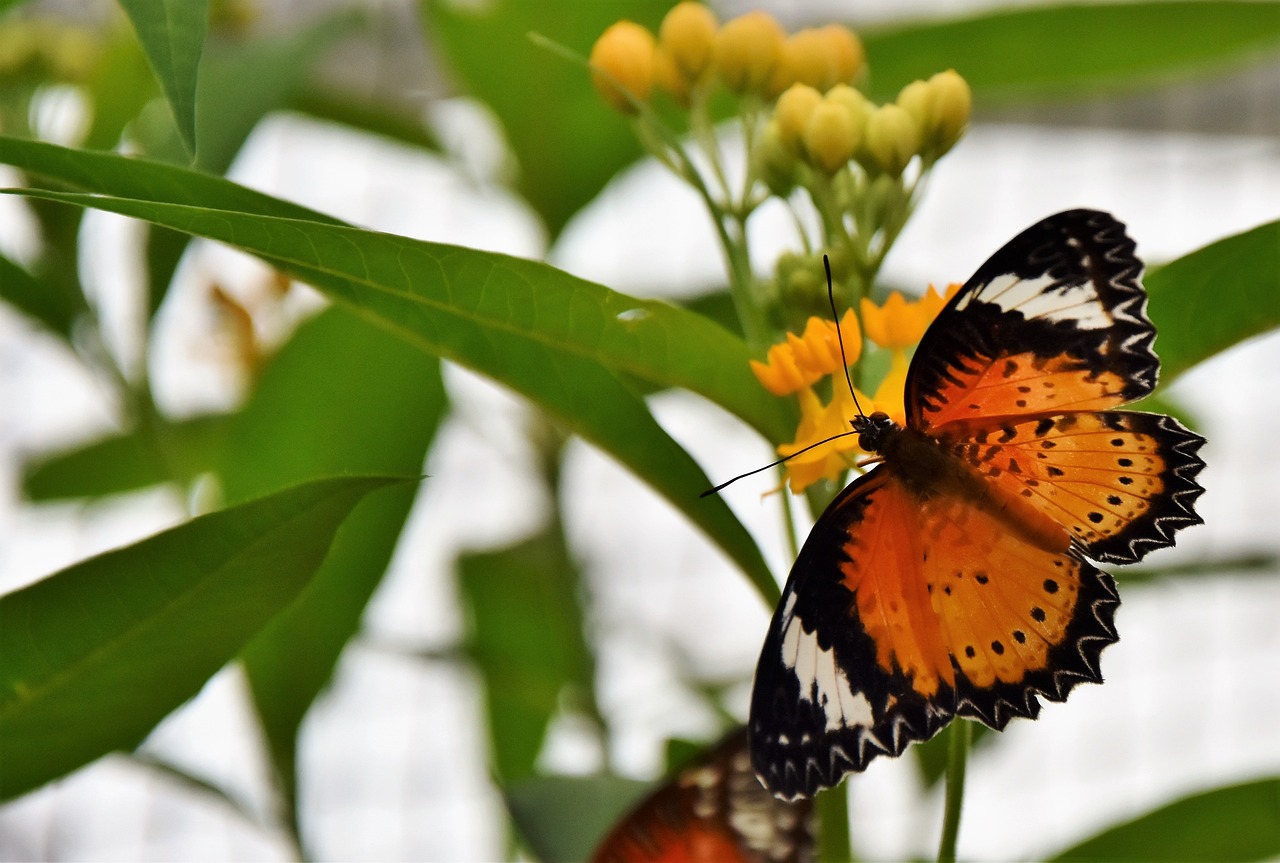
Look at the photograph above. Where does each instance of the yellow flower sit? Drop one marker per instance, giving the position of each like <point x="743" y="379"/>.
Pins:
<point x="801" y="361"/>
<point x="890" y="396"/>
<point x="818" y="422"/>
<point x="622" y="65"/>
<point x="831" y="135"/>
<point x="792" y="112"/>
<point x="899" y="324"/>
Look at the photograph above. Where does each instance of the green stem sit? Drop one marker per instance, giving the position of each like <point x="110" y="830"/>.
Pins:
<point x="833" y="820"/>
<point x="957" y="757"/>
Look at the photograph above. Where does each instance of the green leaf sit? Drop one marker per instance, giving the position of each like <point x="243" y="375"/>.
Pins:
<point x="172" y="34"/>
<point x="1238" y="822"/>
<point x="92" y="657"/>
<point x="1216" y="297"/>
<point x="562" y="818"/>
<point x="1068" y="51"/>
<point x="527" y="641"/>
<point x="42" y="301"/>
<point x="165" y="451"/>
<point x="339" y="398"/>
<point x="565" y="343"/>
<point x="569" y="146"/>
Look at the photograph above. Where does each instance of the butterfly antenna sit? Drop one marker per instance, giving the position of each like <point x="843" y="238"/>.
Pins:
<point x="782" y="460"/>
<point x="835" y="316"/>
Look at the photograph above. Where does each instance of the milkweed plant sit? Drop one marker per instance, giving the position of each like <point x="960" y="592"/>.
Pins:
<point x="296" y="498"/>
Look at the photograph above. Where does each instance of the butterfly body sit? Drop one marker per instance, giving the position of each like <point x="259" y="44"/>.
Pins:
<point x="955" y="577"/>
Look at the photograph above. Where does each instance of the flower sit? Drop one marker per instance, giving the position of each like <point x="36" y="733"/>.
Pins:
<point x="818" y="423"/>
<point x="622" y="66"/>
<point x="831" y="135"/>
<point x="898" y="324"/>
<point x="940" y="108"/>
<point x="803" y="360"/>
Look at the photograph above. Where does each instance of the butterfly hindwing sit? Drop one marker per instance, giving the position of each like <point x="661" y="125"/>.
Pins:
<point x="1121" y="482"/>
<point x="824" y="703"/>
<point x="714" y="810"/>
<point x="1054" y="321"/>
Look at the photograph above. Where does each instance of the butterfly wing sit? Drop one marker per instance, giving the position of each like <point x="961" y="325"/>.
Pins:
<point x="713" y="811"/>
<point x="1054" y="321"/>
<point x="902" y="613"/>
<point x="823" y="704"/>
<point x="1017" y="373"/>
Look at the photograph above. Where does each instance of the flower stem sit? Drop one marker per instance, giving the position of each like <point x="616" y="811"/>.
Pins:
<point x="957" y="756"/>
<point x="833" y="818"/>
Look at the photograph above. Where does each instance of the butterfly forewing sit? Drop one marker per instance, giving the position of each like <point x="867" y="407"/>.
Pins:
<point x="955" y="579"/>
<point x="1056" y="320"/>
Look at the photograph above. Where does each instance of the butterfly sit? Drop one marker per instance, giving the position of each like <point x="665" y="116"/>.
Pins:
<point x="714" y="811"/>
<point x="957" y="577"/>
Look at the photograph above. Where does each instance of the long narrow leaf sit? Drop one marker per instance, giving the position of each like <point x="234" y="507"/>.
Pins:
<point x="1066" y="51"/>
<point x="172" y="35"/>
<point x="1238" y="823"/>
<point x="92" y="657"/>
<point x="565" y="343"/>
<point x="1216" y="297"/>
<point x="340" y="398"/>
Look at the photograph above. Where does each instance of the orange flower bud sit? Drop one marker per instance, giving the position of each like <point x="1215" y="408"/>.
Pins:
<point x="806" y="59"/>
<point x="686" y="34"/>
<point x="849" y="57"/>
<point x="622" y="60"/>
<point x="792" y="113"/>
<point x="891" y="139"/>
<point x="746" y="50"/>
<point x="668" y="77"/>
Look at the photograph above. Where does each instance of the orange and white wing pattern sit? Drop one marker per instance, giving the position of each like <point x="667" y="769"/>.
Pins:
<point x="901" y="614"/>
<point x="1055" y="321"/>
<point x="955" y="579"/>
<point x="713" y="811"/>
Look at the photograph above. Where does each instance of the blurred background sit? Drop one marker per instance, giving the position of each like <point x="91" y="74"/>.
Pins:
<point x="394" y="756"/>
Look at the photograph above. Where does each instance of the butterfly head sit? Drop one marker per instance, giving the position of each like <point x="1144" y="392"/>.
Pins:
<point x="872" y="430"/>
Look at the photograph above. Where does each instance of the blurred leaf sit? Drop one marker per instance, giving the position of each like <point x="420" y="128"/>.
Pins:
<point x="569" y="146"/>
<point x="339" y="398"/>
<point x="1069" y="51"/>
<point x="240" y="84"/>
<point x="43" y="302"/>
<point x="527" y="641"/>
<point x="398" y="122"/>
<point x="1216" y="297"/>
<point x="562" y="817"/>
<point x="565" y="343"/>
<point x="194" y="783"/>
<point x="165" y="451"/>
<point x="172" y="35"/>
<point x="1238" y="822"/>
<point x="120" y="84"/>
<point x="92" y="657"/>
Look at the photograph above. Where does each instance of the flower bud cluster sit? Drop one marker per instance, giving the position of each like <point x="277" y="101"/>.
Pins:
<point x="828" y="131"/>
<point x="750" y="55"/>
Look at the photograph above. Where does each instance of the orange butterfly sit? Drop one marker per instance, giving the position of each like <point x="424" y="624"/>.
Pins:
<point x="954" y="578"/>
<point x="714" y="811"/>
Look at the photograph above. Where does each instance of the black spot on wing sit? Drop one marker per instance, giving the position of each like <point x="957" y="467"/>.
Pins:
<point x="1073" y="660"/>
